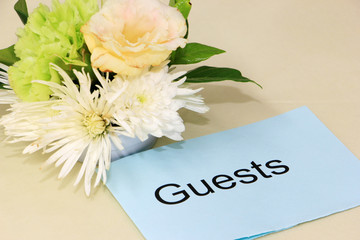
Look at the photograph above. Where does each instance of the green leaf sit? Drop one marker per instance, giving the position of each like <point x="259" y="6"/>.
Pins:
<point x="21" y="9"/>
<point x="187" y="29"/>
<point x="193" y="53"/>
<point x="2" y="85"/>
<point x="184" y="6"/>
<point x="7" y="56"/>
<point x="2" y="76"/>
<point x="214" y="74"/>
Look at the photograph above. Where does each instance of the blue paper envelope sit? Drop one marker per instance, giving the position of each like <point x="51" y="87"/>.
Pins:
<point x="242" y="183"/>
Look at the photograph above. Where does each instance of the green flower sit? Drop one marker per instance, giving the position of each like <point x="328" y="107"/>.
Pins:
<point x="50" y="37"/>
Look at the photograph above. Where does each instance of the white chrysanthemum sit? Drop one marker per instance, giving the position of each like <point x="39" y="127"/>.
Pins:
<point x="7" y="95"/>
<point x="74" y="123"/>
<point x="78" y="122"/>
<point x="148" y="104"/>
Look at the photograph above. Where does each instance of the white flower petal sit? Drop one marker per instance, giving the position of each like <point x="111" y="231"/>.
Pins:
<point x="148" y="103"/>
<point x="75" y="123"/>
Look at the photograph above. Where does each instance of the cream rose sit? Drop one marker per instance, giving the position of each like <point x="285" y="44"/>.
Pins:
<point x="128" y="36"/>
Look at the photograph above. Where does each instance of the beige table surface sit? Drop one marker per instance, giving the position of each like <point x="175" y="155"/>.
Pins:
<point x="303" y="52"/>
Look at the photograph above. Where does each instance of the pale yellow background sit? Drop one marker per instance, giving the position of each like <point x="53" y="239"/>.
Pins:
<point x="303" y="52"/>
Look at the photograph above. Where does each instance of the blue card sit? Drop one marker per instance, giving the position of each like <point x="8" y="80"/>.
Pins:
<point x="242" y="183"/>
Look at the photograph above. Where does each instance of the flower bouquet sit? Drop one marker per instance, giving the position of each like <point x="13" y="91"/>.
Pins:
<point x="84" y="73"/>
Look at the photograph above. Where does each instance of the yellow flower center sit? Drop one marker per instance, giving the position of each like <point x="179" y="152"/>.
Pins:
<point x="95" y="124"/>
<point x="141" y="98"/>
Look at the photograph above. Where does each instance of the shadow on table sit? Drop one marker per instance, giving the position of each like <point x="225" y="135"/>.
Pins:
<point x="217" y="94"/>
